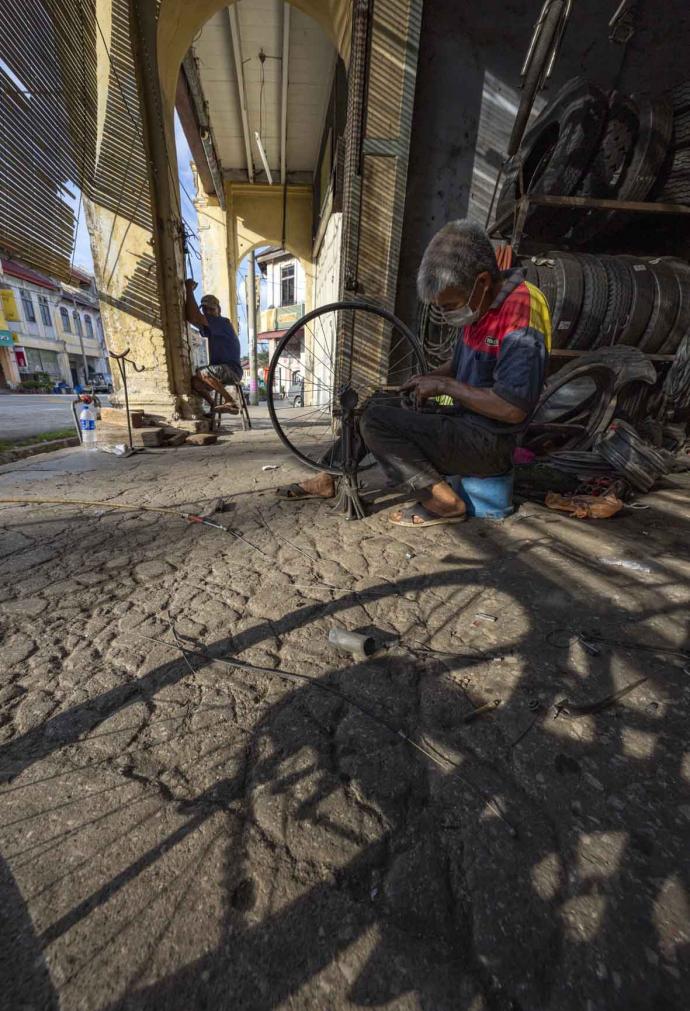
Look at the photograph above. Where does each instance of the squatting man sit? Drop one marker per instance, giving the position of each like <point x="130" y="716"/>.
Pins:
<point x="494" y="379"/>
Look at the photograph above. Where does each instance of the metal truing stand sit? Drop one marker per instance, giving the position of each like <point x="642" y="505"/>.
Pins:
<point x="122" y="361"/>
<point x="347" y="499"/>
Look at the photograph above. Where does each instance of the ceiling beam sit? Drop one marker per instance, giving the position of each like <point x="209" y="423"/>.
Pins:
<point x="241" y="88"/>
<point x="284" y="93"/>
<point x="191" y="130"/>
<point x="190" y="74"/>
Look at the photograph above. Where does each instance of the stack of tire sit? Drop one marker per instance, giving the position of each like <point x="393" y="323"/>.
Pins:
<point x="673" y="185"/>
<point x="595" y="145"/>
<point x="599" y="301"/>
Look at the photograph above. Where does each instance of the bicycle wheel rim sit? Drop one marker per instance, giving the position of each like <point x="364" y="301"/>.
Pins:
<point x="279" y="415"/>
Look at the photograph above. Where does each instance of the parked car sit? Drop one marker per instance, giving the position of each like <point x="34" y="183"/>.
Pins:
<point x="99" y="384"/>
<point x="295" y="393"/>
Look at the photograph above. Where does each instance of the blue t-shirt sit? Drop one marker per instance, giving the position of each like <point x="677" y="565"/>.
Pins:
<point x="223" y="342"/>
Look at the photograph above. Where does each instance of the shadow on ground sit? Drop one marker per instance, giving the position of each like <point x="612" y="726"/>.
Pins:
<point x="272" y="846"/>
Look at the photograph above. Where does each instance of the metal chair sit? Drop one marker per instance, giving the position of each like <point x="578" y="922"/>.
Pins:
<point x="216" y="415"/>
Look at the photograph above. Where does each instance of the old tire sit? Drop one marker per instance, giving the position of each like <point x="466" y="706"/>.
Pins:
<point x="643" y="293"/>
<point x="594" y="303"/>
<point x="619" y="302"/>
<point x="664" y="310"/>
<point x="608" y="166"/>
<point x="679" y="97"/>
<point x="676" y="188"/>
<point x="681" y="326"/>
<point x="556" y="151"/>
<point x="547" y="284"/>
<point x="569" y="280"/>
<point x="681" y="129"/>
<point x="653" y="140"/>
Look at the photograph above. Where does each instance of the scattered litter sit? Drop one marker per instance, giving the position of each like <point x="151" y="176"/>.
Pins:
<point x="409" y="555"/>
<point x="117" y="450"/>
<point x="484" y="616"/>
<point x="488" y="707"/>
<point x="585" y="507"/>
<point x="270" y="466"/>
<point x="626" y="563"/>
<point x="352" y="642"/>
<point x="595" y="707"/>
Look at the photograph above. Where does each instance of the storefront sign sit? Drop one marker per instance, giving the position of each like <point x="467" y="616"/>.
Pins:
<point x="9" y="305"/>
<point x="286" y="315"/>
<point x="5" y="335"/>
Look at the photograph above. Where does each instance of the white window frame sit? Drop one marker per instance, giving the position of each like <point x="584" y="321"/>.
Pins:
<point x="27" y="305"/>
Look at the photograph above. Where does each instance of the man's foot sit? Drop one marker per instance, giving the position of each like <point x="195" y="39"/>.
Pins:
<point x="418" y="515"/>
<point x="441" y="505"/>
<point x="321" y="486"/>
<point x="228" y="408"/>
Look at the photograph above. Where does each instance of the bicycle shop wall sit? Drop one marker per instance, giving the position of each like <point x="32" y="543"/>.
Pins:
<point x="467" y="91"/>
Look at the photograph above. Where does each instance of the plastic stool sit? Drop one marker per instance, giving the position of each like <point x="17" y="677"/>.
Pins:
<point x="489" y="498"/>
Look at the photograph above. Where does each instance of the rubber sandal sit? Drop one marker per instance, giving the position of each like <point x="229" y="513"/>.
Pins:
<point x="429" y="519"/>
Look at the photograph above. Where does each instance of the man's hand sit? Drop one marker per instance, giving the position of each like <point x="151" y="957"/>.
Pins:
<point x="190" y="284"/>
<point x="424" y="387"/>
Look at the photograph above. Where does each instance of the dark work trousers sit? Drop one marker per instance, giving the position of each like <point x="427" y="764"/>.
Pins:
<point x="419" y="448"/>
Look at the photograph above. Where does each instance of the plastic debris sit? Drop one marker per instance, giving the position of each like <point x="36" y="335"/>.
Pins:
<point x="484" y="616"/>
<point x="627" y="563"/>
<point x="270" y="466"/>
<point x="117" y="450"/>
<point x="352" y="642"/>
<point x="488" y="707"/>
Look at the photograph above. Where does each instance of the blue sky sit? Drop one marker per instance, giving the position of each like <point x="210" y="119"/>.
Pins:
<point x="82" y="249"/>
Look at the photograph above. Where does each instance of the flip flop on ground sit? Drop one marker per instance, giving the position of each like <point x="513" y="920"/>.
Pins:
<point x="418" y="515"/>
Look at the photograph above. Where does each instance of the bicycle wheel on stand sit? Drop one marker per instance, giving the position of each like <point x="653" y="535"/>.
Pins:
<point x="338" y="357"/>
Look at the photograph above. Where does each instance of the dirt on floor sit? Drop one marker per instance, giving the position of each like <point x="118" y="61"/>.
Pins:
<point x="177" y="833"/>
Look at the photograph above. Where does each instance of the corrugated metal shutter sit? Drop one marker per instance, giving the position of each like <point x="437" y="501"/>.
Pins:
<point x="47" y="126"/>
<point x="48" y="129"/>
<point x="120" y="181"/>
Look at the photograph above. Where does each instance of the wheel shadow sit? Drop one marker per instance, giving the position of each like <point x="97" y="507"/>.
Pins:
<point x="363" y="874"/>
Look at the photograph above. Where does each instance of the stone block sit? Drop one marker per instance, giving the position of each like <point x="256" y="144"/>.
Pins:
<point x="176" y="439"/>
<point x="202" y="439"/>
<point x="117" y="416"/>
<point x="150" y="437"/>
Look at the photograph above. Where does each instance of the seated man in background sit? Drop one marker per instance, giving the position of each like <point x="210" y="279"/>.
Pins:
<point x="493" y="380"/>
<point x="223" y="349"/>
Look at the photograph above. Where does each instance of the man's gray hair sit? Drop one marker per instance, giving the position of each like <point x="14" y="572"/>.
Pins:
<point x="455" y="256"/>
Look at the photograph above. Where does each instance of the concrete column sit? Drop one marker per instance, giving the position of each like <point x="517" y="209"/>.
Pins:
<point x="121" y="250"/>
<point x="213" y="248"/>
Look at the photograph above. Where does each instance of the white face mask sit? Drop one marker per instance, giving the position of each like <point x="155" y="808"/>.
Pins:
<point x="457" y="318"/>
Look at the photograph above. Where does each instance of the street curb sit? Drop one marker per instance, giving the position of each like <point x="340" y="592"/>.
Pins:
<point x="22" y="452"/>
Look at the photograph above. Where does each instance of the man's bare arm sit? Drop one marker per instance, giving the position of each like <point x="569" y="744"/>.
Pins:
<point x="192" y="312"/>
<point x="474" y="398"/>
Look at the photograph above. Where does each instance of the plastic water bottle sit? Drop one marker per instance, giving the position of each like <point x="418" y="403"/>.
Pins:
<point x="87" y="424"/>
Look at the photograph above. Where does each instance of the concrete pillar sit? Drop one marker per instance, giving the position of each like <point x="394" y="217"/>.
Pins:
<point x="121" y="254"/>
<point x="213" y="249"/>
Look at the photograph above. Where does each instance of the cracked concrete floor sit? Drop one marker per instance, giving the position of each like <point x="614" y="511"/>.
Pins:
<point x="178" y="834"/>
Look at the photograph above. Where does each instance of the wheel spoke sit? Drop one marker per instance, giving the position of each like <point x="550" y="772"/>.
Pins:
<point x="308" y="419"/>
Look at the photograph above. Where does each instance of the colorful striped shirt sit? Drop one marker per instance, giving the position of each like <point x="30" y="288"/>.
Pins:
<point x="507" y="349"/>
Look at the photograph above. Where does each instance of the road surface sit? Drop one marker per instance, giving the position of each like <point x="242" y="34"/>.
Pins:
<point x="26" y="414"/>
